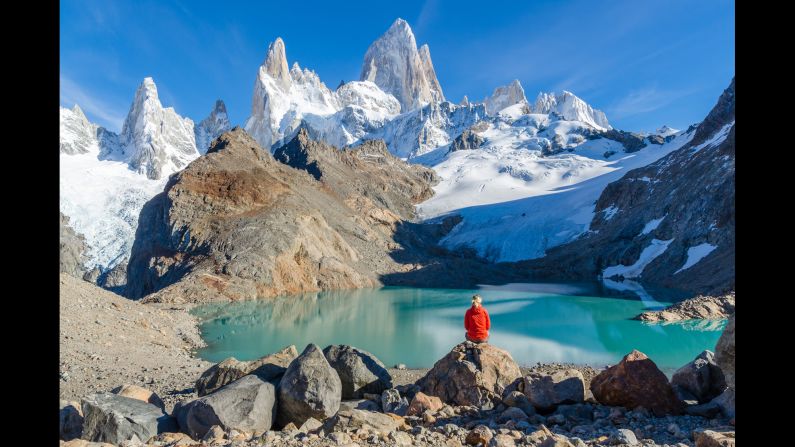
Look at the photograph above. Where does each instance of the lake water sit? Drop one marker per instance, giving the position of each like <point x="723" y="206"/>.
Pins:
<point x="535" y="322"/>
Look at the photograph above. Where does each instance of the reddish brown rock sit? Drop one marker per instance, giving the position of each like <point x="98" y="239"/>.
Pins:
<point x="471" y="374"/>
<point x="142" y="394"/>
<point x="710" y="438"/>
<point x="480" y="435"/>
<point x="422" y="402"/>
<point x="634" y="382"/>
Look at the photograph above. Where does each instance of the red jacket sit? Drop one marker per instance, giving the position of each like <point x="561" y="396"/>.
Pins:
<point x="477" y="323"/>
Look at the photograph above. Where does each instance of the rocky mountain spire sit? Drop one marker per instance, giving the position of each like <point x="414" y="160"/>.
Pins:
<point x="212" y="126"/>
<point x="276" y="63"/>
<point x="505" y="96"/>
<point x="464" y="101"/>
<point x="78" y="135"/>
<point x="155" y="140"/>
<point x="394" y="63"/>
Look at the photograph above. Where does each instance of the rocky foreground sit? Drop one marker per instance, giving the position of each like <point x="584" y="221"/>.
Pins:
<point x="699" y="308"/>
<point x="344" y="396"/>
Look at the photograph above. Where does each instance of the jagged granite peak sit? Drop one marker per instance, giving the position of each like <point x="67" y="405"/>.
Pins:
<point x="394" y="63"/>
<point x="276" y="63"/>
<point x="211" y="127"/>
<point x="156" y="141"/>
<point x="670" y="223"/>
<point x="464" y="101"/>
<point x="505" y="96"/>
<point x="571" y="108"/>
<point x="666" y="130"/>
<point x="77" y="134"/>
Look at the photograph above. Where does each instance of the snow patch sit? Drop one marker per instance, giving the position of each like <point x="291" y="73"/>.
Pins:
<point x="695" y="254"/>
<point x="655" y="248"/>
<point x="652" y="225"/>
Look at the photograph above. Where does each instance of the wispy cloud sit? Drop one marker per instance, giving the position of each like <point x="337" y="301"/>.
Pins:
<point x="645" y="100"/>
<point x="109" y="116"/>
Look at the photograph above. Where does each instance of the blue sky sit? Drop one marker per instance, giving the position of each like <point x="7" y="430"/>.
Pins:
<point x="644" y="63"/>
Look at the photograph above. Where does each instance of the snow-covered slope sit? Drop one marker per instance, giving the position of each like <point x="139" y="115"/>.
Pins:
<point x="106" y="178"/>
<point x="211" y="127"/>
<point x="571" y="108"/>
<point x="394" y="63"/>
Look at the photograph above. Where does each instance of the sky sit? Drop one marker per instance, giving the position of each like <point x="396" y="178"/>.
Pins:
<point x="644" y="63"/>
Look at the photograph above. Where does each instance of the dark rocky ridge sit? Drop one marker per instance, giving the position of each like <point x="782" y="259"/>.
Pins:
<point x="693" y="189"/>
<point x="73" y="247"/>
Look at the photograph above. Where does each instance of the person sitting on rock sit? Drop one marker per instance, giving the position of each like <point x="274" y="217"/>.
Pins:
<point x="477" y="322"/>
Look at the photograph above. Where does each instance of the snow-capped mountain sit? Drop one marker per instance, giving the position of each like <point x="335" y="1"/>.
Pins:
<point x="105" y="178"/>
<point x="505" y="96"/>
<point x="665" y="131"/>
<point x="394" y="63"/>
<point x="571" y="108"/>
<point x="211" y="127"/>
<point x="155" y="140"/>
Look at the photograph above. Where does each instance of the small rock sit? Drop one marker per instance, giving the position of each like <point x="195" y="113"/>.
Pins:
<point x="623" y="436"/>
<point x="501" y="440"/>
<point x="710" y="438"/>
<point x="422" y="402"/>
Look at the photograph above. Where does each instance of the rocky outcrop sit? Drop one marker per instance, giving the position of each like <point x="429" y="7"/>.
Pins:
<point x="471" y="374"/>
<point x="111" y="418"/>
<point x="631" y="141"/>
<point x="466" y="141"/>
<point x="247" y="404"/>
<point x="238" y="224"/>
<point x="310" y="388"/>
<point x="700" y="378"/>
<point x="227" y="371"/>
<point x="505" y="96"/>
<point x="394" y="63"/>
<point x="546" y="391"/>
<point x="698" y="308"/>
<point x="360" y="372"/>
<point x="73" y="247"/>
<point x="696" y="185"/>
<point x="636" y="382"/>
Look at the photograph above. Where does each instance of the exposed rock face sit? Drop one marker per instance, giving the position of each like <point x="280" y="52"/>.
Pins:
<point x="156" y="141"/>
<point x="111" y="418"/>
<point x="632" y="141"/>
<point x="247" y="404"/>
<point x="696" y="185"/>
<point x="268" y="367"/>
<point x="546" y="391"/>
<point x="360" y="372"/>
<point x="636" y="381"/>
<point x="466" y="141"/>
<point x="701" y="308"/>
<point x="70" y="421"/>
<point x="239" y="224"/>
<point x="724" y="357"/>
<point x="77" y="135"/>
<point x="73" y="247"/>
<point x="212" y="127"/>
<point x="505" y="96"/>
<point x="471" y="374"/>
<point x="114" y="279"/>
<point x="310" y="388"/>
<point x="393" y="63"/>
<point x="702" y="378"/>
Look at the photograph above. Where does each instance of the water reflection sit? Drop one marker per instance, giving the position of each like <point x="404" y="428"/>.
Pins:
<point x="535" y="322"/>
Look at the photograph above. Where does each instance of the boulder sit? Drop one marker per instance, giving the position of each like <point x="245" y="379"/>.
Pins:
<point x="310" y="424"/>
<point x="636" y="381"/>
<point x="623" y="436"/>
<point x="360" y="372"/>
<point x="173" y="439"/>
<point x="710" y="438"/>
<point x="480" y="435"/>
<point x="309" y="388"/>
<point x="70" y="421"/>
<point x="392" y="402"/>
<point x="112" y="418"/>
<point x="422" y="402"/>
<point x="247" y="404"/>
<point x="724" y="352"/>
<point x="142" y="394"/>
<point x="502" y="440"/>
<point x="701" y="378"/>
<point x="471" y="374"/>
<point x="356" y="419"/>
<point x="546" y="391"/>
<point x="231" y="369"/>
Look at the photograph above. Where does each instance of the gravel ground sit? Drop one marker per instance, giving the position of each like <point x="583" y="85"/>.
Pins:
<point x="107" y="341"/>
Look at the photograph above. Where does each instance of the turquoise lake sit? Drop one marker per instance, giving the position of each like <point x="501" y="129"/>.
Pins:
<point x="535" y="322"/>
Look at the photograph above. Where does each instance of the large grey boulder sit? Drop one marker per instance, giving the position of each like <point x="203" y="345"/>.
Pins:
<point x="360" y="372"/>
<point x="267" y="368"/>
<point x="309" y="388"/>
<point x="724" y="357"/>
<point x="247" y="404"/>
<point x="70" y="421"/>
<point x="108" y="417"/>
<point x="701" y="378"/>
<point x="546" y="391"/>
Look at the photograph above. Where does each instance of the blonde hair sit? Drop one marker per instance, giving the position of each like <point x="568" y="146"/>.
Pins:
<point x="476" y="299"/>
